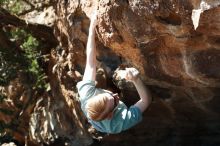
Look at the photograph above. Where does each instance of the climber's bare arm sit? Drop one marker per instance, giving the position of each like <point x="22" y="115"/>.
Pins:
<point x="145" y="97"/>
<point x="90" y="69"/>
<point x="144" y="93"/>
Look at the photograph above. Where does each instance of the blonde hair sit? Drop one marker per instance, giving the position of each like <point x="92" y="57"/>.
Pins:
<point x="96" y="107"/>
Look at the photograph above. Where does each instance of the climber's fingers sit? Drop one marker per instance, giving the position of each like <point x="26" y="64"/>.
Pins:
<point x="128" y="75"/>
<point x="131" y="74"/>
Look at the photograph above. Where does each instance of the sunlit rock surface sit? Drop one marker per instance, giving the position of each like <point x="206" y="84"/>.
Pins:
<point x="178" y="63"/>
<point x="176" y="50"/>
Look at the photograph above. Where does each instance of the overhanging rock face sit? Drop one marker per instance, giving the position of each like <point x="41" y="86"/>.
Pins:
<point x="175" y="45"/>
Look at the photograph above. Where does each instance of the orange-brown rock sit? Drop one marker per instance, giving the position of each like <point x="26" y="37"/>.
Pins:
<point x="175" y="44"/>
<point x="179" y="62"/>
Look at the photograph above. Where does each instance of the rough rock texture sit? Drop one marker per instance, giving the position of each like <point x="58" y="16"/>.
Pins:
<point x="179" y="63"/>
<point x="16" y="108"/>
<point x="29" y="116"/>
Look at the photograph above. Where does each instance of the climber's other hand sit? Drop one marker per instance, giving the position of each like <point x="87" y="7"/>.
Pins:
<point x="131" y="74"/>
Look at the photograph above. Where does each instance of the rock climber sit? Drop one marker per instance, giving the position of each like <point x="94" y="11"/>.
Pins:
<point x="104" y="110"/>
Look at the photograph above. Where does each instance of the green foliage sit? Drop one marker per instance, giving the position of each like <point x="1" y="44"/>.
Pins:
<point x="33" y="56"/>
<point x="3" y="1"/>
<point x="13" y="6"/>
<point x="18" y="34"/>
<point x="26" y="62"/>
<point x="9" y="63"/>
<point x="30" y="47"/>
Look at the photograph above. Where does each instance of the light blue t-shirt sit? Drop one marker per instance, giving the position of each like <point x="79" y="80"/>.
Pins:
<point x="123" y="118"/>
